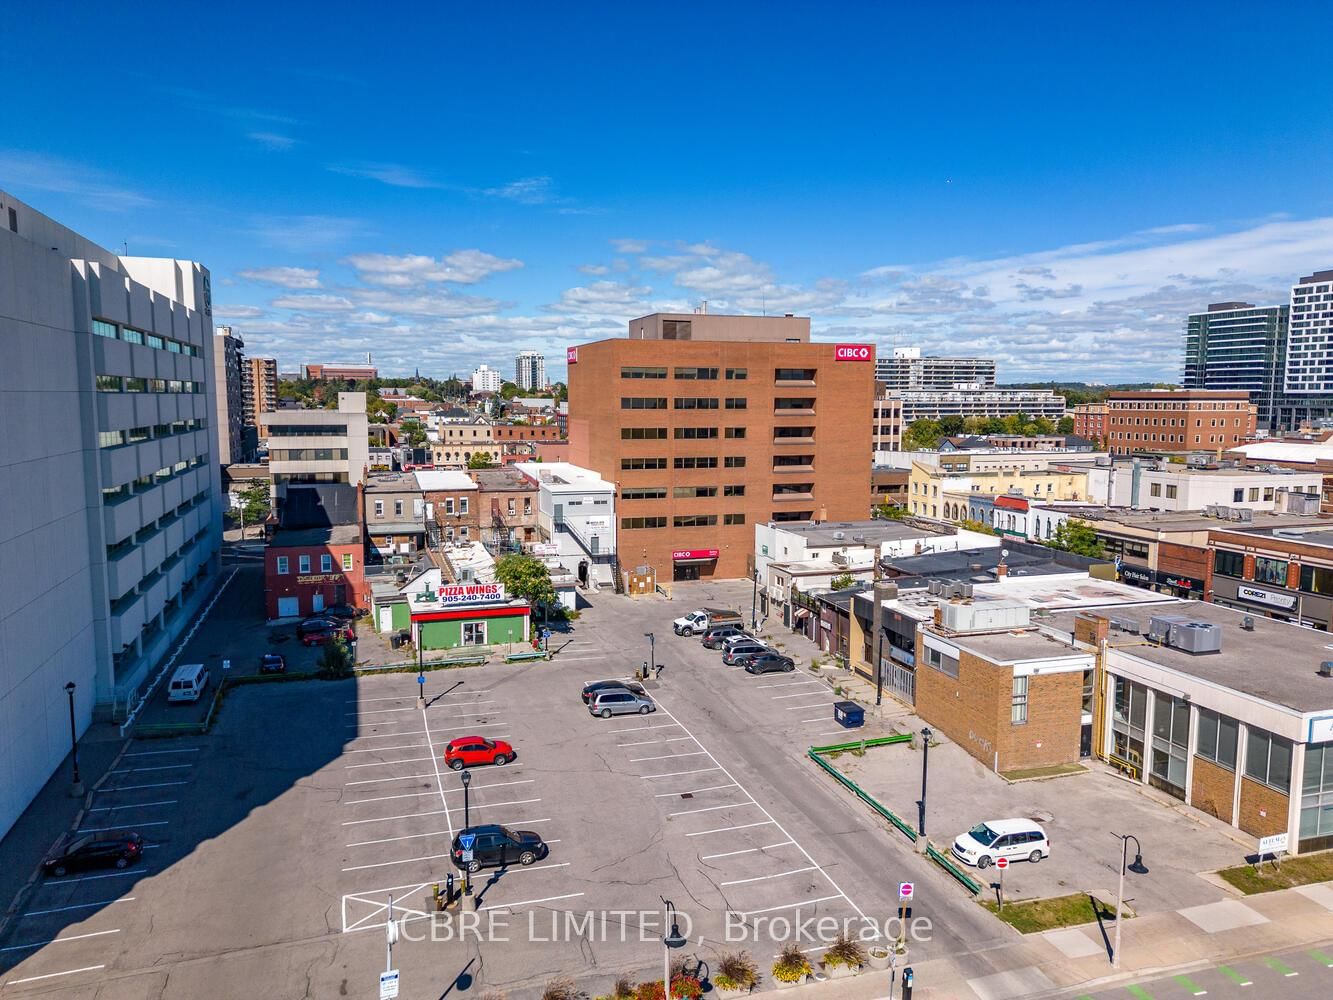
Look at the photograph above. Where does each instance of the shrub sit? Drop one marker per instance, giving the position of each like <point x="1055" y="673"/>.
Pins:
<point x="736" y="971"/>
<point x="686" y="987"/>
<point x="792" y="966"/>
<point x="845" y="951"/>
<point x="651" y="990"/>
<point x="623" y="989"/>
<point x="563" y="989"/>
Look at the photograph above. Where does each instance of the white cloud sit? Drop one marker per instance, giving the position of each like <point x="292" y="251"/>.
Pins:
<point x="526" y="191"/>
<point x="304" y="233"/>
<point x="272" y="140"/>
<point x="393" y="174"/>
<point x="464" y="267"/>
<point x="284" y="277"/>
<point x="594" y="269"/>
<point x="630" y="246"/>
<point x="313" y="303"/>
<point x="236" y="312"/>
<point x="25" y="172"/>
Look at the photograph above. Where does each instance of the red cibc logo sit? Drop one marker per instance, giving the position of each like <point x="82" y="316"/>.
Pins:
<point x="571" y="355"/>
<point x="853" y="352"/>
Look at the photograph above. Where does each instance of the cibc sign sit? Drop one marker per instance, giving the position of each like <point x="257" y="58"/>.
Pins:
<point x="571" y="355"/>
<point x="853" y="352"/>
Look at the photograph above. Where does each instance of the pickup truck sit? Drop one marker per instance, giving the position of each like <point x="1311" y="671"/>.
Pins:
<point x="697" y="622"/>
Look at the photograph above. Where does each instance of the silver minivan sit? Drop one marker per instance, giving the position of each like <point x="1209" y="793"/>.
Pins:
<point x="620" y="702"/>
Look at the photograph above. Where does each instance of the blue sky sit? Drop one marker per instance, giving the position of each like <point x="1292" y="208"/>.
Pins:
<point x="1056" y="185"/>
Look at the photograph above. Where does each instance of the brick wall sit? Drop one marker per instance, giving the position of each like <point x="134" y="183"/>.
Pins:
<point x="1254" y="798"/>
<point x="1214" y="789"/>
<point x="1051" y="734"/>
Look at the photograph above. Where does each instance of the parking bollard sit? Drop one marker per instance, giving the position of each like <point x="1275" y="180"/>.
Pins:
<point x="907" y="983"/>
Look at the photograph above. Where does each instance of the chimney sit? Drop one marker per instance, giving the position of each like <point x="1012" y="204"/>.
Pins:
<point x="1001" y="571"/>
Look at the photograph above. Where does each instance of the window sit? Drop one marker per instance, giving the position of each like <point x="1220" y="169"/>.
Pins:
<point x="696" y="462"/>
<point x="1229" y="563"/>
<point x="303" y="564"/>
<point x="794" y="375"/>
<point x="793" y="461"/>
<point x="398" y="508"/>
<point x="736" y="403"/>
<point x="1170" y="491"/>
<point x="1268" y="759"/>
<point x="693" y="491"/>
<point x="449" y="505"/>
<point x="1018" y="707"/>
<point x="1218" y="735"/>
<point x="733" y="518"/>
<point x="1155" y="489"/>
<point x="1317" y="579"/>
<point x="153" y="340"/>
<point x="1254" y="494"/>
<point x="136" y="385"/>
<point x="696" y="433"/>
<point x="733" y="491"/>
<point x="694" y="520"/>
<point x="108" y="383"/>
<point x="942" y="662"/>
<point x="474" y="633"/>
<point x="644" y="493"/>
<point x="379" y="508"/>
<point x="325" y="563"/>
<point x="173" y="347"/>
<point x="138" y="434"/>
<point x="695" y="403"/>
<point x="1268" y="493"/>
<point x="1238" y="495"/>
<point x="696" y="373"/>
<point x="782" y="433"/>
<point x="104" y="329"/>
<point x="788" y="403"/>
<point x="735" y="432"/>
<point x="1272" y="571"/>
<point x="643" y="373"/>
<point x="642" y="522"/>
<point x="677" y="329"/>
<point x="282" y="565"/>
<point x="783" y="489"/>
<point x="737" y="374"/>
<point x="1316" y="826"/>
<point x="643" y="433"/>
<point x="131" y="336"/>
<point x="527" y="503"/>
<point x="512" y="511"/>
<point x="734" y="462"/>
<point x="643" y="402"/>
<point x="347" y="561"/>
<point x="462" y="506"/>
<point x="625" y="464"/>
<point x="1170" y="744"/>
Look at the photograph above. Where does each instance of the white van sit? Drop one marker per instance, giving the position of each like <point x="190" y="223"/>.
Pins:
<point x="188" y="682"/>
<point x="1015" y="839"/>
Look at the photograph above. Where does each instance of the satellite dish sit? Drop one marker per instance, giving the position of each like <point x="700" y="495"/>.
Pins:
<point x="1004" y="553"/>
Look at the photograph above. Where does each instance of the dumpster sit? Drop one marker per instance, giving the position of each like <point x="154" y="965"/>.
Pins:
<point x="849" y="714"/>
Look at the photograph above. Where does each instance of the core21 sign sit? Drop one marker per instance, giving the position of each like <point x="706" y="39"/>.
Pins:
<point x="853" y="352"/>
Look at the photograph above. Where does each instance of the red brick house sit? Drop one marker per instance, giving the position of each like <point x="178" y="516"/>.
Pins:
<point x="316" y="556"/>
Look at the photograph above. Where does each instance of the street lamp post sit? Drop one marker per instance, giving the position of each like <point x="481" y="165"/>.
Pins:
<point x="421" y="674"/>
<point x="926" y="734"/>
<point x="467" y="813"/>
<point x="76" y="787"/>
<point x="652" y="655"/>
<point x="754" y="602"/>
<point x="1138" y="868"/>
<point x="671" y="940"/>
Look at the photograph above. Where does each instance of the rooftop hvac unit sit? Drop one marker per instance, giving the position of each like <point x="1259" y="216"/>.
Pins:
<point x="1243" y="514"/>
<point x="1247" y="623"/>
<point x="1211" y="511"/>
<point x="1197" y="637"/>
<point x="967" y="590"/>
<point x="991" y="617"/>
<point x="1326" y="668"/>
<point x="1159" y="627"/>
<point x="933" y="587"/>
<point x="858" y="538"/>
<point x="889" y="591"/>
<point x="840" y="535"/>
<point x="1222" y="512"/>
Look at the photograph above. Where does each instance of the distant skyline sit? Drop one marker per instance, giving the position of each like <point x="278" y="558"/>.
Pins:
<point x="1050" y="186"/>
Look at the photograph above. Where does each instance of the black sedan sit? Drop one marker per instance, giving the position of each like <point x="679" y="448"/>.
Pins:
<point x="344" y="612"/>
<point x="317" y="623"/>
<point x="594" y="688"/>
<point x="494" y="846"/>
<point x="768" y="663"/>
<point x="272" y="663"/>
<point x="103" y="850"/>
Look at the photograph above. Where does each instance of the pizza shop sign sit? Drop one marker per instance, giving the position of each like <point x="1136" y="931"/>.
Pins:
<point x="471" y="593"/>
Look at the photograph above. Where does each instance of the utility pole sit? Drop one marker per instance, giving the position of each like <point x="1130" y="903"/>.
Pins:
<point x="877" y="592"/>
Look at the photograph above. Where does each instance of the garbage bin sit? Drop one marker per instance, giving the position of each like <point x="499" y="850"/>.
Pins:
<point x="849" y="714"/>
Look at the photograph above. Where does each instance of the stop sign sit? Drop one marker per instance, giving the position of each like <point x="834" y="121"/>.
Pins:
<point x="1001" y="863"/>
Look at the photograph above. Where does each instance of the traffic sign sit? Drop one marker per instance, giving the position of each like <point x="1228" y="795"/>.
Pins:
<point x="1002" y="863"/>
<point x="466" y="840"/>
<point x="389" y="985"/>
<point x="467" y="856"/>
<point x="421" y="679"/>
<point x="905" y="891"/>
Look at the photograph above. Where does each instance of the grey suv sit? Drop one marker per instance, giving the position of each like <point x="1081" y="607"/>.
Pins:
<point x="620" y="702"/>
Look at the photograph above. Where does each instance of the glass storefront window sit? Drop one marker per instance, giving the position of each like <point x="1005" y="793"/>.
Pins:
<point x="1170" y="744"/>
<point x="1316" y="826"/>
<point x="1272" y="571"/>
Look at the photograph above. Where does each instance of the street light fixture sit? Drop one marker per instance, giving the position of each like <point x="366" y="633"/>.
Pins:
<point x="672" y="940"/>
<point x="76" y="787"/>
<point x="421" y="674"/>
<point x="467" y="814"/>
<point x="1138" y="868"/>
<point x="926" y="734"/>
<point x="652" y="655"/>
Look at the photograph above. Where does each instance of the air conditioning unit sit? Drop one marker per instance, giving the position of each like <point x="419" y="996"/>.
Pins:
<point x="1197" y="637"/>
<point x="841" y="559"/>
<point x="840" y="535"/>
<point x="934" y="587"/>
<point x="1247" y="623"/>
<point x="1326" y="668"/>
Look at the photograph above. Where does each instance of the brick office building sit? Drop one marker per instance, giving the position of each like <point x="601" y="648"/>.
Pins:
<point x="1176" y="421"/>
<point x="316" y="557"/>
<point x="709" y="424"/>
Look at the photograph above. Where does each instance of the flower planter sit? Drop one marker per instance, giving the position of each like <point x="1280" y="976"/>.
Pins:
<point x="725" y="994"/>
<point x="841" y="971"/>
<point x="879" y="958"/>
<point x="786" y="986"/>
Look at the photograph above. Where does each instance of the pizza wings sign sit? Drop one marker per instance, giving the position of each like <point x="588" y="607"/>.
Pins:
<point x="471" y="593"/>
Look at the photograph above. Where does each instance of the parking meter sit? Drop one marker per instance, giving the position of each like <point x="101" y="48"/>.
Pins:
<point x="907" y="983"/>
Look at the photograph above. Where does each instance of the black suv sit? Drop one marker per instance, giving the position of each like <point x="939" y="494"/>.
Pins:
<point x="496" y="846"/>
<point x="344" y="612"/>
<point x="767" y="663"/>
<point x="715" y="636"/>
<point x="108" y="850"/>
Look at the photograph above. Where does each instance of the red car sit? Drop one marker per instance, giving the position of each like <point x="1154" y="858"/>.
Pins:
<point x="469" y="751"/>
<point x="319" y="636"/>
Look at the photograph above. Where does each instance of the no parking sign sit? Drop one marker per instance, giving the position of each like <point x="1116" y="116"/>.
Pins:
<point x="905" y="890"/>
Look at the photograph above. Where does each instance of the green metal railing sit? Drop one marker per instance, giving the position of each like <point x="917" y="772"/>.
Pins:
<point x="945" y="862"/>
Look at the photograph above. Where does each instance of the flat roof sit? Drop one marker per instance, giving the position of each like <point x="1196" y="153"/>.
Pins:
<point x="338" y="534"/>
<point x="392" y="482"/>
<point x="1277" y="662"/>
<point x="1015" y="646"/>
<point x="873" y="532"/>
<point x="432" y="480"/>
<point x="1195" y="520"/>
<point x="563" y="476"/>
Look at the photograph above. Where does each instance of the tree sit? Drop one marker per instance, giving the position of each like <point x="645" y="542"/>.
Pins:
<point x="337" y="658"/>
<point x="842" y="581"/>
<point x="527" y="578"/>
<point x="891" y="511"/>
<point x="1078" y="537"/>
<point x="1065" y="426"/>
<point x="508" y="390"/>
<point x="922" y="435"/>
<point x="255" y="504"/>
<point x="415" y="433"/>
<point x="981" y="527"/>
<point x="480" y="460"/>
<point x="952" y="425"/>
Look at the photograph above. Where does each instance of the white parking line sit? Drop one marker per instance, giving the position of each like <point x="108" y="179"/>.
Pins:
<point x="787" y="684"/>
<point x="78" y="906"/>
<point x="803" y="694"/>
<point x="53" y="975"/>
<point x="676" y="774"/>
<point x="384" y="798"/>
<point x="158" y="753"/>
<point x="437" y="812"/>
<point x="387" y="711"/>
<point x="728" y="829"/>
<point x="635" y="729"/>
<point x="530" y="902"/>
<point x="404" y="861"/>
<point x="797" y="708"/>
<point x="380" y="736"/>
<point x="410" y="836"/>
<point x="72" y="937"/>
<point x="668" y="756"/>
<point x="376" y="781"/>
<point x="135" y="788"/>
<point x="439" y="781"/>
<point x="821" y="718"/>
<point x="105" y="829"/>
<point x="793" y="906"/>
<point x="405" y="746"/>
<point x="140" y="770"/>
<point x="91" y="878"/>
<point x="386" y="819"/>
<point x="695" y="791"/>
<point x="708" y="809"/>
<point x="460" y="694"/>
<point x="387" y="763"/>
<point x="135" y="805"/>
<point x="762" y="878"/>
<point x="644" y="743"/>
<point x="748" y="850"/>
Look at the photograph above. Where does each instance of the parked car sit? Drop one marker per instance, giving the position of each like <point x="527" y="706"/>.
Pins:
<point x="103" y="850"/>
<point x="344" y="612"/>
<point x="470" y="751"/>
<point x="333" y="630"/>
<point x="272" y="663"/>
<point x="740" y="649"/>
<point x="714" y="637"/>
<point x="768" y="663"/>
<point x="620" y="701"/>
<point x="188" y="682"/>
<point x="496" y="846"/>
<point x="315" y="623"/>
<point x="1015" y="839"/>
<point x="593" y="688"/>
<point x="695" y="622"/>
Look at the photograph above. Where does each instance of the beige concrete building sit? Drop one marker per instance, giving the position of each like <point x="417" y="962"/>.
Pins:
<point x="318" y="446"/>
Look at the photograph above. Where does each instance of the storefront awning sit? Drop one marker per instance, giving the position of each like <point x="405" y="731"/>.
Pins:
<point x="800" y="614"/>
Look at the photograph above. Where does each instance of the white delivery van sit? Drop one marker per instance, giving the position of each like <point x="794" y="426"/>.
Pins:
<point x="188" y="682"/>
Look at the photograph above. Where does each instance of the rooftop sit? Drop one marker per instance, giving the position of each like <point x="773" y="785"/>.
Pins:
<point x="338" y="534"/>
<point x="320" y="505"/>
<point x="978" y="565"/>
<point x="1275" y="662"/>
<point x="1196" y="520"/>
<point x="496" y="480"/>
<point x="392" y="482"/>
<point x="840" y="533"/>
<point x="436" y="480"/>
<point x="564" y="476"/>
